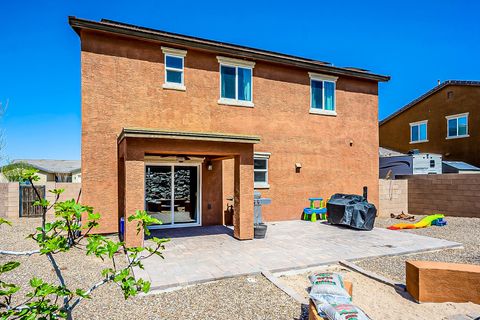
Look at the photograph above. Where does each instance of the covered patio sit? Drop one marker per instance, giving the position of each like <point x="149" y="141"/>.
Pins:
<point x="178" y="176"/>
<point x="196" y="255"/>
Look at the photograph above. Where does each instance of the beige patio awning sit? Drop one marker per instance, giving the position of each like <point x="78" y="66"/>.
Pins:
<point x="186" y="135"/>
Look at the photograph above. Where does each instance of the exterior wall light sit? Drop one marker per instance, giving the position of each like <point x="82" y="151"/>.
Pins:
<point x="298" y="166"/>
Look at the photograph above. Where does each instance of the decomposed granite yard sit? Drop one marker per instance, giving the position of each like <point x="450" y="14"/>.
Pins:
<point x="463" y="230"/>
<point x="244" y="297"/>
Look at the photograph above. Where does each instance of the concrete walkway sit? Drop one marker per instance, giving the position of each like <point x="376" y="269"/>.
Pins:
<point x="203" y="254"/>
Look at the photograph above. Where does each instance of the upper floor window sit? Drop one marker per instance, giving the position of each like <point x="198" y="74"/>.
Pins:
<point x="322" y="94"/>
<point x="260" y="169"/>
<point x="457" y="126"/>
<point x="174" y="68"/>
<point x="418" y="131"/>
<point x="236" y="82"/>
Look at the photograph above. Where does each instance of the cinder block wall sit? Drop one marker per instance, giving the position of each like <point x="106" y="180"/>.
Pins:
<point x="450" y="194"/>
<point x="10" y="196"/>
<point x="9" y="200"/>
<point x="393" y="197"/>
<point x="72" y="191"/>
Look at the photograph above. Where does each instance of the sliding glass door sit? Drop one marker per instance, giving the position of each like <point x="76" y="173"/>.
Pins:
<point x="172" y="194"/>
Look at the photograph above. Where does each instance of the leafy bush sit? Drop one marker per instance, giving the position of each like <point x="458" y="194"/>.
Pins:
<point x="14" y="172"/>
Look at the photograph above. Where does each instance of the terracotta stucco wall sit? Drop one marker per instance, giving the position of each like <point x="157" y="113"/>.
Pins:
<point x="395" y="133"/>
<point x="122" y="87"/>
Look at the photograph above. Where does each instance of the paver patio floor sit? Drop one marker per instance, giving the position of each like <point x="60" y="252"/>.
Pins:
<point x="210" y="253"/>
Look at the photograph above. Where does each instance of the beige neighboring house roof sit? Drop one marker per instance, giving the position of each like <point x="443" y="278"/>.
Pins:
<point x="52" y="166"/>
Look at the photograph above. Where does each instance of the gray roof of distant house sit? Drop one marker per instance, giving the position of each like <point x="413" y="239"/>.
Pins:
<point x="130" y="30"/>
<point x="384" y="152"/>
<point x="428" y="94"/>
<point x="52" y="166"/>
<point x="462" y="166"/>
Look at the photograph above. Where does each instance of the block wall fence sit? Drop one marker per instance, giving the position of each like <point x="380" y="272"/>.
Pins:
<point x="10" y="196"/>
<point x="393" y="197"/>
<point x="451" y="194"/>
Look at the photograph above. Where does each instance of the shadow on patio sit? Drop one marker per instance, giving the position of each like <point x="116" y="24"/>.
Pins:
<point x="191" y="232"/>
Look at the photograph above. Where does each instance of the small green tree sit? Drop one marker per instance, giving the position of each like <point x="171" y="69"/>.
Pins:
<point x="53" y="301"/>
<point x="13" y="172"/>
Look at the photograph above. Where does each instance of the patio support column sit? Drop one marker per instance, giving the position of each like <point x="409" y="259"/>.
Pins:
<point x="243" y="195"/>
<point x="134" y="196"/>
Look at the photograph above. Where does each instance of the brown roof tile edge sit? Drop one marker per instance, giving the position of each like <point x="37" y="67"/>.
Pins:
<point x="219" y="47"/>
<point x="427" y="94"/>
<point x="186" y="135"/>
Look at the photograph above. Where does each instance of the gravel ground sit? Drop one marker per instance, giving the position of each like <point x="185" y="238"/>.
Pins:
<point x="240" y="298"/>
<point x="462" y="230"/>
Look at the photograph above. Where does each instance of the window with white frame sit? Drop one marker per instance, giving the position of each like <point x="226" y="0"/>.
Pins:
<point x="260" y="169"/>
<point x="236" y="77"/>
<point x="174" y="68"/>
<point x="322" y="94"/>
<point x="457" y="126"/>
<point x="418" y="131"/>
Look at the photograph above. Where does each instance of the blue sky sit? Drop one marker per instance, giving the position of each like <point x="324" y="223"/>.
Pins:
<point x="415" y="42"/>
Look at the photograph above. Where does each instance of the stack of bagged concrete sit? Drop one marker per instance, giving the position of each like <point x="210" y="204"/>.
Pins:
<point x="331" y="299"/>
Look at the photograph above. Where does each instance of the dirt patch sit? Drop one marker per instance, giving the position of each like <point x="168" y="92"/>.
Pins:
<point x="381" y="301"/>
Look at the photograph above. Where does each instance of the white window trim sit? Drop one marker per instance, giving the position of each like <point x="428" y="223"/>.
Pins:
<point x="332" y="113"/>
<point x="177" y="53"/>
<point x="262" y="156"/>
<point x="323" y="78"/>
<point x="235" y="63"/>
<point x="235" y="102"/>
<point x="457" y="116"/>
<point x="417" y="123"/>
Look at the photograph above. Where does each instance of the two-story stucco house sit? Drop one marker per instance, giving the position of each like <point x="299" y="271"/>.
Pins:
<point x="176" y="125"/>
<point x="443" y="121"/>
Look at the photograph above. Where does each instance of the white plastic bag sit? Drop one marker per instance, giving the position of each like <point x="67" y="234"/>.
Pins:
<point x="328" y="288"/>
<point x="342" y="312"/>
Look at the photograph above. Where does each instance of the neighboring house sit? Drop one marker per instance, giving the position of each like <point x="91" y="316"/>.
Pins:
<point x="176" y="125"/>
<point x="443" y="121"/>
<point x="55" y="170"/>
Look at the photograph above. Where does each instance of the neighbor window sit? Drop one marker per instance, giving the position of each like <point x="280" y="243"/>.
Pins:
<point x="235" y="82"/>
<point x="260" y="169"/>
<point x="322" y="94"/>
<point x="418" y="131"/>
<point x="174" y="68"/>
<point x="457" y="126"/>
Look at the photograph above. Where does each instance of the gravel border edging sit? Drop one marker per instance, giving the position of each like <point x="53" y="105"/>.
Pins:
<point x="372" y="275"/>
